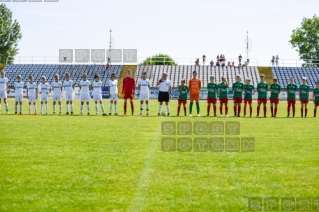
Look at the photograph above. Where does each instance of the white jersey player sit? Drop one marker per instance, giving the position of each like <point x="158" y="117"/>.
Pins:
<point x="97" y="87"/>
<point x="84" y="93"/>
<point x="144" y="89"/>
<point x="113" y="93"/>
<point x="32" y="91"/>
<point x="3" y="90"/>
<point x="18" y="93"/>
<point x="44" y="90"/>
<point x="68" y="85"/>
<point x="57" y="91"/>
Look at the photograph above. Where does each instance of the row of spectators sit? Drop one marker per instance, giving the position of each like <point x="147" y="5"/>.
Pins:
<point x="221" y="61"/>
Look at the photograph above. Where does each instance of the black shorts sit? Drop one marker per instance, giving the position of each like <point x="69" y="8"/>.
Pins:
<point x="163" y="96"/>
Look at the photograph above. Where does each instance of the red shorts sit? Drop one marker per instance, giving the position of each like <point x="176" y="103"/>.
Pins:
<point x="128" y="96"/>
<point x="211" y="100"/>
<point x="304" y="101"/>
<point x="291" y="101"/>
<point x="182" y="101"/>
<point x="223" y="100"/>
<point x="262" y="101"/>
<point x="275" y="101"/>
<point x="237" y="100"/>
<point x="249" y="101"/>
<point x="316" y="104"/>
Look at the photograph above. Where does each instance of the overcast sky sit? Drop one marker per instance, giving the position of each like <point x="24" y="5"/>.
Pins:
<point x="182" y="29"/>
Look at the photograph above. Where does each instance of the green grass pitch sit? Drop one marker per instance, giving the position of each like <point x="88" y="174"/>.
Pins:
<point x="115" y="163"/>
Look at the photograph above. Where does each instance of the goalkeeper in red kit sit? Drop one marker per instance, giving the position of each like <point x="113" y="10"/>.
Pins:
<point x="128" y="90"/>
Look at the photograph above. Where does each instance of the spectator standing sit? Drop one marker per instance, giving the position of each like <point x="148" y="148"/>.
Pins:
<point x="211" y="63"/>
<point x="233" y="63"/>
<point x="217" y="58"/>
<point x="277" y="60"/>
<point x="107" y="66"/>
<point x="228" y="64"/>
<point x="204" y="59"/>
<point x="223" y="63"/>
<point x="239" y="58"/>
<point x="218" y="63"/>
<point x="273" y="61"/>
<point x="197" y="62"/>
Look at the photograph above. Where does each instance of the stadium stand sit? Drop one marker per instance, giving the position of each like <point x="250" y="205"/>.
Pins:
<point x="179" y="72"/>
<point x="48" y="70"/>
<point x="284" y="73"/>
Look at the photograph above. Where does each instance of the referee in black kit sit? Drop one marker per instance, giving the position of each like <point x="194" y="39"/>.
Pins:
<point x="165" y="90"/>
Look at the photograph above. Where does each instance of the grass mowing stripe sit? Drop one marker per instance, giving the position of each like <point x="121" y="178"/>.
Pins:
<point x="137" y="202"/>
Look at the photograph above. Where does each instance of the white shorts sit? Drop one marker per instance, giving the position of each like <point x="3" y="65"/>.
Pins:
<point x="18" y="97"/>
<point x="114" y="97"/>
<point x="3" y="94"/>
<point x="97" y="97"/>
<point x="32" y="99"/>
<point x="85" y="97"/>
<point x="56" y="97"/>
<point x="69" y="97"/>
<point x="144" y="96"/>
<point x="44" y="98"/>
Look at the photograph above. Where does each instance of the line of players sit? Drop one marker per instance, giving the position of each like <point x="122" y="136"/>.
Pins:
<point x="239" y="89"/>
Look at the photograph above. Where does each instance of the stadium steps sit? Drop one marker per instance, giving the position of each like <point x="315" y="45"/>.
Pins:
<point x="2" y="66"/>
<point x="267" y="71"/>
<point x="125" y="68"/>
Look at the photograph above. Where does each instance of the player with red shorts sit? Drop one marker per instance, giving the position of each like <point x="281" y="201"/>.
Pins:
<point x="182" y="98"/>
<point x="262" y="89"/>
<point x="249" y="91"/>
<point x="128" y="90"/>
<point x="274" y="100"/>
<point x="238" y="88"/>
<point x="212" y="88"/>
<point x="304" y="96"/>
<point x="316" y="98"/>
<point x="223" y="96"/>
<point x="291" y="96"/>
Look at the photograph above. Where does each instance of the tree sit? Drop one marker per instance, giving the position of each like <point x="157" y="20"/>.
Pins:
<point x="306" y="41"/>
<point x="9" y="35"/>
<point x="159" y="59"/>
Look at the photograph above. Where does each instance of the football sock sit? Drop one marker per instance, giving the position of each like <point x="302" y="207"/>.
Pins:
<point x="185" y="109"/>
<point x="214" y="106"/>
<point x="29" y="108"/>
<point x="35" y="108"/>
<point x="178" y="108"/>
<point x="251" y="110"/>
<point x="306" y="111"/>
<point x="16" y="109"/>
<point x="226" y="110"/>
<point x="258" y="110"/>
<point x="159" y="108"/>
<point x="221" y="110"/>
<point x="60" y="107"/>
<point x="244" y="110"/>
<point x="141" y="108"/>
<point x="115" y="108"/>
<point x="88" y="108"/>
<point x="53" y="108"/>
<point x="301" y="111"/>
<point x="197" y="107"/>
<point x="46" y="107"/>
<point x="239" y="108"/>
<point x="315" y="112"/>
<point x="293" y="109"/>
<point x="288" y="108"/>
<point x="235" y="110"/>
<point x="125" y="106"/>
<point x="96" y="108"/>
<point x="111" y="108"/>
<point x="7" y="107"/>
<point x="102" y="108"/>
<point x="41" y="106"/>
<point x="265" y="111"/>
<point x="208" y="108"/>
<point x="20" y="108"/>
<point x="272" y="110"/>
<point x="67" y="108"/>
<point x="167" y="108"/>
<point x="72" y="108"/>
<point x="81" y="109"/>
<point x="275" y="113"/>
<point x="147" y="108"/>
<point x="190" y="107"/>
<point x="132" y="106"/>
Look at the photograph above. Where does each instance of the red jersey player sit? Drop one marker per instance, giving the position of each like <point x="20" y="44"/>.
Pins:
<point x="128" y="90"/>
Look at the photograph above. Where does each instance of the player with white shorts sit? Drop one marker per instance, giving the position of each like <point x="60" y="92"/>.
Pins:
<point x="32" y="91"/>
<point x="68" y="85"/>
<point x="18" y="94"/>
<point x="44" y="90"/>
<point x="84" y="93"/>
<point x="113" y="93"/>
<point x="144" y="89"/>
<point x="3" y="90"/>
<point x="57" y="91"/>
<point x="97" y="93"/>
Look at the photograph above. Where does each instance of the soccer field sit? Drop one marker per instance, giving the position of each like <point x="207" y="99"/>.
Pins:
<point x="115" y="163"/>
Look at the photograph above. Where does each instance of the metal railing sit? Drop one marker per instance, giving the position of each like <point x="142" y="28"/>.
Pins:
<point x="293" y="63"/>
